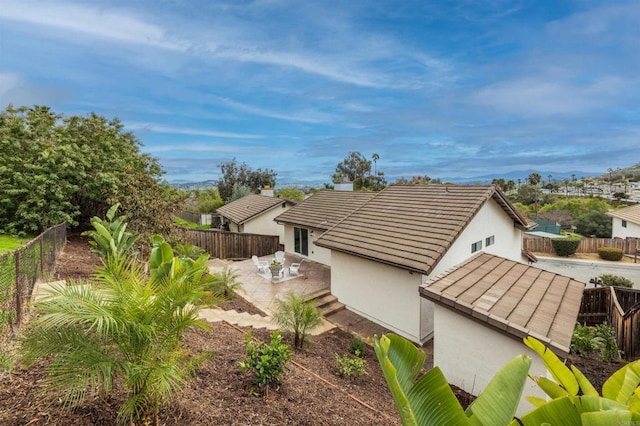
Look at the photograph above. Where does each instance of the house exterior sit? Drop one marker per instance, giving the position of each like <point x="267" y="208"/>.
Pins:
<point x="254" y="214"/>
<point x="625" y="222"/>
<point x="407" y="234"/>
<point x="305" y="222"/>
<point x="485" y="306"/>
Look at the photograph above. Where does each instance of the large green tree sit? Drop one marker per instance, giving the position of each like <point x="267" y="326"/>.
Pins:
<point x="55" y="168"/>
<point x="235" y="175"/>
<point x="356" y="168"/>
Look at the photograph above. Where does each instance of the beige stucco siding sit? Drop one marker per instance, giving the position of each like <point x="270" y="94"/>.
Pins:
<point x="265" y="225"/>
<point x="385" y="294"/>
<point x="458" y="343"/>
<point x="618" y="231"/>
<point x="317" y="254"/>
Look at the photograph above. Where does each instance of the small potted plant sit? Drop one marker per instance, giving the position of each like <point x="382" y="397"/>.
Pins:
<point x="275" y="269"/>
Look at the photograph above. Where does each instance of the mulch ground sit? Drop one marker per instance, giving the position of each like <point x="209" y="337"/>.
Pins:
<point x="311" y="393"/>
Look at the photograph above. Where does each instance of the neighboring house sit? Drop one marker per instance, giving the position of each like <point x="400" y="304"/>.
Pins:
<point x="485" y="306"/>
<point x="254" y="214"/>
<point x="626" y="222"/>
<point x="407" y="234"/>
<point x="306" y="221"/>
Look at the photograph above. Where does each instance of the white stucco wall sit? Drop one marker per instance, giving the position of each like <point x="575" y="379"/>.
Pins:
<point x="470" y="354"/>
<point x="367" y="286"/>
<point x="317" y="254"/>
<point x="617" y="231"/>
<point x="265" y="225"/>
<point x="387" y="295"/>
<point x="490" y="220"/>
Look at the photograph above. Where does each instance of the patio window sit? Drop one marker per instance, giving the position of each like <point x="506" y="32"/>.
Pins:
<point x="301" y="241"/>
<point x="476" y="246"/>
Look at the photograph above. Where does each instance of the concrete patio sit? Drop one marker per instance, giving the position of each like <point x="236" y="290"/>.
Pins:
<point x="261" y="291"/>
<point x="314" y="279"/>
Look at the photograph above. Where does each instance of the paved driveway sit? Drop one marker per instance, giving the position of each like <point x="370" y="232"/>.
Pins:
<point x="584" y="270"/>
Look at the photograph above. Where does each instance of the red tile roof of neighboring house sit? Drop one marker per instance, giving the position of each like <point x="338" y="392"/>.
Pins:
<point x="248" y="207"/>
<point x="630" y="214"/>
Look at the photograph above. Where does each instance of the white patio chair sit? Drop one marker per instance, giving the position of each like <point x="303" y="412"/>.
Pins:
<point x="279" y="257"/>
<point x="261" y="265"/>
<point x="294" y="268"/>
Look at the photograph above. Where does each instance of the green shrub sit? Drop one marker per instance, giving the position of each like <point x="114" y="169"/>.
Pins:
<point x="565" y="246"/>
<point x="610" y="253"/>
<point x="350" y="367"/>
<point x="601" y="338"/>
<point x="582" y="341"/>
<point x="607" y="345"/>
<point x="357" y="347"/>
<point x="610" y="280"/>
<point x="266" y="361"/>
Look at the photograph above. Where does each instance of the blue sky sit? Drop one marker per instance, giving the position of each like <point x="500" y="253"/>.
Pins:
<point x="444" y="88"/>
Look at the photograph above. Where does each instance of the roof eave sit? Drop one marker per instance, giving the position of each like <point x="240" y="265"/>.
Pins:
<point x="501" y="326"/>
<point x="375" y="259"/>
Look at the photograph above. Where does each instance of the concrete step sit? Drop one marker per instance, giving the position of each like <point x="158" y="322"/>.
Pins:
<point x="323" y="300"/>
<point x="242" y="319"/>
<point x="316" y="294"/>
<point x="331" y="308"/>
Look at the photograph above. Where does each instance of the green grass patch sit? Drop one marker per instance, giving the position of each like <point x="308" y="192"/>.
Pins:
<point x="192" y="225"/>
<point x="7" y="242"/>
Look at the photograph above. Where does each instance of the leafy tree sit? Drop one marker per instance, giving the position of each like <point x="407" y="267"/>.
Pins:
<point x="207" y="200"/>
<point x="126" y="329"/>
<point x="290" y="194"/>
<point x="501" y="183"/>
<point x="240" y="191"/>
<point x="235" y="175"/>
<point x="594" y="223"/>
<point x="55" y="168"/>
<point x="356" y="168"/>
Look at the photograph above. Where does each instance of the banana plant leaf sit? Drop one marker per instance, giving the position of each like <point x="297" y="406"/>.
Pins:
<point x="430" y="400"/>
<point x="559" y="371"/>
<point x="498" y="402"/>
<point x="622" y="384"/>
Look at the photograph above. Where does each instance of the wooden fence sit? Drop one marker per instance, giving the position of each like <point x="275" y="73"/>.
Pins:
<point x="232" y="245"/>
<point x="620" y="308"/>
<point x="587" y="245"/>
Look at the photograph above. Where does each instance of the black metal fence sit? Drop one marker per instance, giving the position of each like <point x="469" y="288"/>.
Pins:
<point x="21" y="268"/>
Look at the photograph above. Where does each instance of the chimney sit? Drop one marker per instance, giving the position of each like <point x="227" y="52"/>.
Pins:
<point x="343" y="185"/>
<point x="267" y="191"/>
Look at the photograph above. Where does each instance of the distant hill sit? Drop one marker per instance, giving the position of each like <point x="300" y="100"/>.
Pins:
<point x="522" y="174"/>
<point x="188" y="186"/>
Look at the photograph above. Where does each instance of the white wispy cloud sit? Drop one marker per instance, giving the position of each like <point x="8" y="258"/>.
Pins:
<point x="160" y="128"/>
<point x="90" y="20"/>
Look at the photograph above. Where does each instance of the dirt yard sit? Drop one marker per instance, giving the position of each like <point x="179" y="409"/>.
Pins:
<point x="311" y="393"/>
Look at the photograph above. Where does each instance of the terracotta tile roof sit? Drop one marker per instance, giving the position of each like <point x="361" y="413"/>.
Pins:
<point x="512" y="297"/>
<point x="412" y="226"/>
<point x="248" y="207"/>
<point x="630" y="214"/>
<point x="324" y="209"/>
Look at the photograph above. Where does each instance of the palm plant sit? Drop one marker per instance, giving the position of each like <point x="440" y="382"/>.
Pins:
<point x="225" y="282"/>
<point x="295" y="315"/>
<point x="127" y="329"/>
